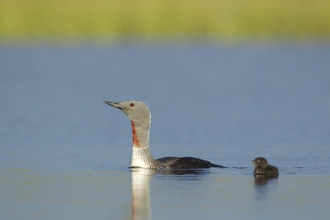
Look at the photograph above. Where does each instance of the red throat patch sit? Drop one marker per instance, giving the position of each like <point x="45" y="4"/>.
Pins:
<point x="136" y="141"/>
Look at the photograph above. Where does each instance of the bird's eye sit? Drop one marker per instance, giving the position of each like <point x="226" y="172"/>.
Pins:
<point x="132" y="104"/>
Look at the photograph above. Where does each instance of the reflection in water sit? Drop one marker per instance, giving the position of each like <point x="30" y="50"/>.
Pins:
<point x="140" y="189"/>
<point x="262" y="186"/>
<point x="140" y="194"/>
<point x="260" y="180"/>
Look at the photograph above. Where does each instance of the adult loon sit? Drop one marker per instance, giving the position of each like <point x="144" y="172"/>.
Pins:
<point x="140" y="117"/>
<point x="262" y="168"/>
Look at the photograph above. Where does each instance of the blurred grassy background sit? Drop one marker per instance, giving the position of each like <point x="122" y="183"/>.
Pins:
<point x="115" y="20"/>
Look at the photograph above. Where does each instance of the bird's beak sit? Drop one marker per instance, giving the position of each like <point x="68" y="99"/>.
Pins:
<point x="113" y="104"/>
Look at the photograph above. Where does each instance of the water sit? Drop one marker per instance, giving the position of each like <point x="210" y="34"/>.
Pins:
<point x="64" y="153"/>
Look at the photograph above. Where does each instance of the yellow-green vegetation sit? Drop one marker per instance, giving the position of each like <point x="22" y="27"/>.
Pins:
<point x="22" y="20"/>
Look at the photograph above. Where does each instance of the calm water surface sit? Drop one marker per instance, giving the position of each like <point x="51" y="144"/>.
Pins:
<point x="64" y="154"/>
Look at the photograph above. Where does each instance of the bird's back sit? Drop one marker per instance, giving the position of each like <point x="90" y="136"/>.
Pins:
<point x="187" y="163"/>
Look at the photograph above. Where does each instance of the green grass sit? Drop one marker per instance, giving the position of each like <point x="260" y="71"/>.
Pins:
<point x="112" y="20"/>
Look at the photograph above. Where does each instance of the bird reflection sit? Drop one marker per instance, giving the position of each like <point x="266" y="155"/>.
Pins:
<point x="140" y="189"/>
<point x="263" y="186"/>
<point x="140" y="194"/>
<point x="260" y="180"/>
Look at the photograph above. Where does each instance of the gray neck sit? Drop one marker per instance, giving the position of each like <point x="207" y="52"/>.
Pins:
<point x="142" y="132"/>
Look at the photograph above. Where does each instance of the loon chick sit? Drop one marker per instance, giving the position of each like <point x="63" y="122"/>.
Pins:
<point x="140" y="117"/>
<point x="262" y="168"/>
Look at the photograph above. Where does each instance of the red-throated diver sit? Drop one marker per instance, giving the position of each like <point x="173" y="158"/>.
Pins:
<point x="140" y="117"/>
<point x="262" y="168"/>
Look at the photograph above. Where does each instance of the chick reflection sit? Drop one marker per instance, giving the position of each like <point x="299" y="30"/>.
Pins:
<point x="260" y="180"/>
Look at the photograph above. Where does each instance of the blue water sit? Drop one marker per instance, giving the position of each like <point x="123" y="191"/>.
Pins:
<point x="64" y="153"/>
